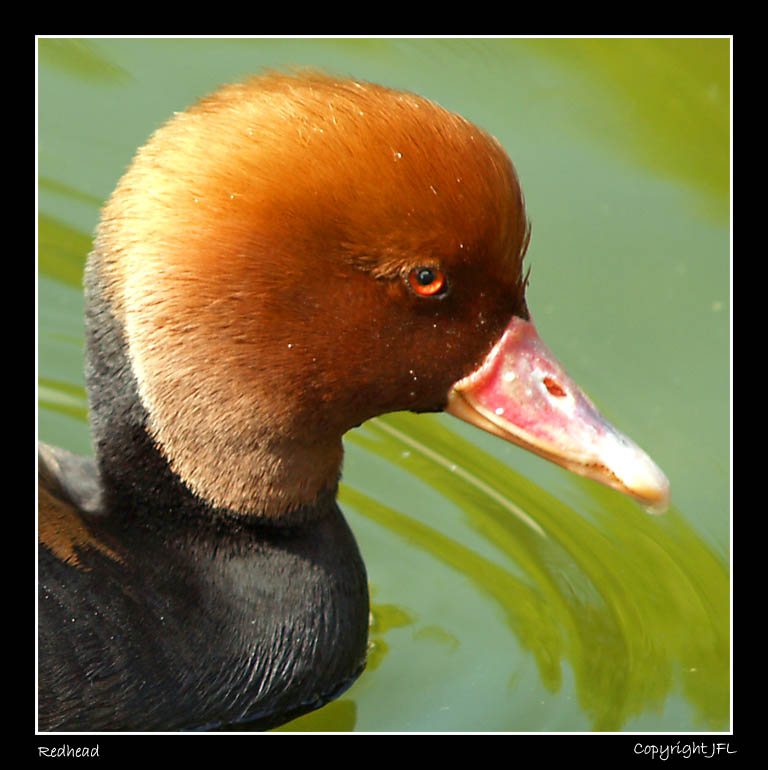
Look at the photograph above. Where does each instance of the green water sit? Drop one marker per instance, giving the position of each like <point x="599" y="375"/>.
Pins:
<point x="508" y="595"/>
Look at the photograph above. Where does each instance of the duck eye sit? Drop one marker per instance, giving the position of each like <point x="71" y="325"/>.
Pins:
<point x="428" y="281"/>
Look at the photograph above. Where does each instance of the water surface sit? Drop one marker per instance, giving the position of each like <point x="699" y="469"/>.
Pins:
<point x="508" y="595"/>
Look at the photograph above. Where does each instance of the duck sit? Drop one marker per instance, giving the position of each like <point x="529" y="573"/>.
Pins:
<point x="292" y="255"/>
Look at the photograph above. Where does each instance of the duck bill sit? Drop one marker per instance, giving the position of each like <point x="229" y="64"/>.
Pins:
<point x="522" y="394"/>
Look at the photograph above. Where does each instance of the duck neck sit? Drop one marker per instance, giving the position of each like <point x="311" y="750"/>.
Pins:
<point x="138" y="478"/>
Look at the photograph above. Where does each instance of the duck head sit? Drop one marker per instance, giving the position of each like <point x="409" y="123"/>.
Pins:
<point x="298" y="253"/>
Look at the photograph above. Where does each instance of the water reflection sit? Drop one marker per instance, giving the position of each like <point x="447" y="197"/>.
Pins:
<point x="665" y="103"/>
<point x="628" y="611"/>
<point x="638" y="606"/>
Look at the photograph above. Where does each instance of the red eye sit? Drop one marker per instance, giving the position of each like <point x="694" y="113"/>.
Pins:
<point x="427" y="281"/>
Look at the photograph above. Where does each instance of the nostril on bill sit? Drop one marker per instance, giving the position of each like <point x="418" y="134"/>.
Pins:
<point x="554" y="387"/>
